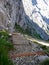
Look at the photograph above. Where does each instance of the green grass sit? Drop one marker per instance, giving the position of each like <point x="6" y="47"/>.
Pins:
<point x="45" y="48"/>
<point x="37" y="36"/>
<point x="46" y="62"/>
<point x="5" y="47"/>
<point x="35" y="42"/>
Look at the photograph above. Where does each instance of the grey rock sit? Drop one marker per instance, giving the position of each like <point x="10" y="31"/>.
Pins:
<point x="27" y="14"/>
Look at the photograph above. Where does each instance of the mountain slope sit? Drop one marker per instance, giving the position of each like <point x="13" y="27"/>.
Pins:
<point x="29" y="14"/>
<point x="38" y="12"/>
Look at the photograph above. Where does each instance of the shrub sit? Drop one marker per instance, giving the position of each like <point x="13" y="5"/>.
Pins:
<point x="21" y="30"/>
<point x="46" y="62"/>
<point x="43" y="47"/>
<point x="26" y="31"/>
<point x="5" y="46"/>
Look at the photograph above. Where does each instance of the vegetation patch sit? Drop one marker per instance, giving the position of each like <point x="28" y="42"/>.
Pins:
<point x="46" y="62"/>
<point x="26" y="31"/>
<point x="35" y="42"/>
<point x="19" y="29"/>
<point x="5" y="47"/>
<point x="37" y="36"/>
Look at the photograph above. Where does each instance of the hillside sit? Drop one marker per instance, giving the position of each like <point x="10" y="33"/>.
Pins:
<point x="29" y="14"/>
<point x="24" y="32"/>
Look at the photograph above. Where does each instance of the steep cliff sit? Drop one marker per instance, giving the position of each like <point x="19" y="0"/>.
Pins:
<point x="38" y="16"/>
<point x="11" y="11"/>
<point x="30" y="14"/>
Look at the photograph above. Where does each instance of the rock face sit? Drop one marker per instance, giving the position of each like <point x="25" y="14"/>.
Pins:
<point x="11" y="11"/>
<point x="37" y="11"/>
<point x="27" y="13"/>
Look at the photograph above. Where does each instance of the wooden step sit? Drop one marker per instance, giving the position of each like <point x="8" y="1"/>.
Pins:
<point x="27" y="54"/>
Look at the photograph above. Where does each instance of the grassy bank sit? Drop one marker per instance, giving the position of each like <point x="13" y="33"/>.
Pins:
<point x="5" y="47"/>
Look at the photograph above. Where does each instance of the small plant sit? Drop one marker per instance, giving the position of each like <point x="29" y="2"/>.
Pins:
<point x="26" y="31"/>
<point x="19" y="29"/>
<point x="5" y="46"/>
<point x="37" y="35"/>
<point x="43" y="47"/>
<point x="35" y="42"/>
<point x="46" y="62"/>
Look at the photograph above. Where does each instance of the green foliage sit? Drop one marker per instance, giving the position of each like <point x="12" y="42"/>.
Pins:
<point x="43" y="47"/>
<point x="5" y="46"/>
<point x="35" y="42"/>
<point x="37" y="36"/>
<point x="26" y="31"/>
<point x="46" y="62"/>
<point x="4" y="34"/>
<point x="19" y="29"/>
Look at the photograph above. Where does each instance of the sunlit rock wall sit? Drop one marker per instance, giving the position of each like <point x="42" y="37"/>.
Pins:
<point x="38" y="13"/>
<point x="30" y="14"/>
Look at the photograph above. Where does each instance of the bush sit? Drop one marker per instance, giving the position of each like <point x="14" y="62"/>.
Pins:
<point x="5" y="46"/>
<point x="43" y="47"/>
<point x="46" y="62"/>
<point x="26" y="31"/>
<point x="21" y="30"/>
